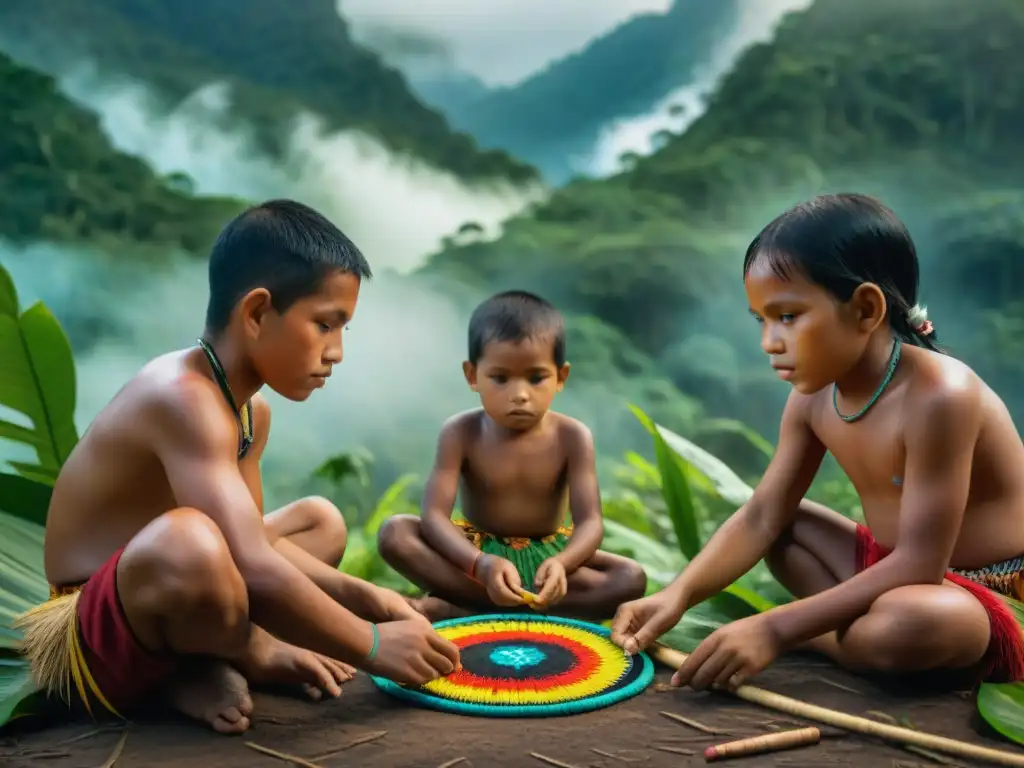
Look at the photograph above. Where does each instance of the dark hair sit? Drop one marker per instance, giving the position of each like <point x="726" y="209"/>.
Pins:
<point x="515" y="316"/>
<point x="842" y="241"/>
<point x="281" y="245"/>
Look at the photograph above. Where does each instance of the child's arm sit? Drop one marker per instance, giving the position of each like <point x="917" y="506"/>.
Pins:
<point x="439" y="499"/>
<point x="198" y="447"/>
<point x="367" y="600"/>
<point x="745" y="538"/>
<point x="940" y="436"/>
<point x="584" y="499"/>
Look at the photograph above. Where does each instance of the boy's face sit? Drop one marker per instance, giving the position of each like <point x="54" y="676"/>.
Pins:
<point x="295" y="351"/>
<point x="517" y="381"/>
<point x="811" y="339"/>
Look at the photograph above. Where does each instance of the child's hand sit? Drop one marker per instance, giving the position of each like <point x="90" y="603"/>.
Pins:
<point x="413" y="653"/>
<point x="639" y="623"/>
<point x="730" y="655"/>
<point x="501" y="580"/>
<point x="552" y="581"/>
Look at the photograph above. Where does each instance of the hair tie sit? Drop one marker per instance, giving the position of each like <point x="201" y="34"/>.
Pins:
<point x="917" y="316"/>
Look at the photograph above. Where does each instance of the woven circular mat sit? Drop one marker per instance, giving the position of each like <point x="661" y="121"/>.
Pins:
<point x="530" y="666"/>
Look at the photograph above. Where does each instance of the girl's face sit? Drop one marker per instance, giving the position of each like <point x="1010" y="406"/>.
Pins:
<point x="812" y="339"/>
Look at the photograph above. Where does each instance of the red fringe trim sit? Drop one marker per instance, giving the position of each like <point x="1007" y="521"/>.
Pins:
<point x="1005" y="656"/>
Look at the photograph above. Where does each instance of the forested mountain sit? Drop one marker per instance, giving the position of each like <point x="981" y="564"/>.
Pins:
<point x="280" y="59"/>
<point x="63" y="181"/>
<point x="919" y="102"/>
<point x="558" y="113"/>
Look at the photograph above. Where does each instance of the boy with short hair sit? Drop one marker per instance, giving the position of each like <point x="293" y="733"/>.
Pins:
<point x="156" y="549"/>
<point x="518" y="464"/>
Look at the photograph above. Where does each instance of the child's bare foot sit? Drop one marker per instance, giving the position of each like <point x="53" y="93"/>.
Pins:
<point x="270" y="661"/>
<point x="436" y="609"/>
<point x="213" y="693"/>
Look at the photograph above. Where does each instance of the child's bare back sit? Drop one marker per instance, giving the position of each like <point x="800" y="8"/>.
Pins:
<point x="519" y="467"/>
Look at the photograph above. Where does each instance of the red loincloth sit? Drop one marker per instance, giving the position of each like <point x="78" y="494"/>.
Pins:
<point x="124" y="670"/>
<point x="1004" y="660"/>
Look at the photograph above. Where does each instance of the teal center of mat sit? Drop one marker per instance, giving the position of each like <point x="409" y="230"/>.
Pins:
<point x="517" y="656"/>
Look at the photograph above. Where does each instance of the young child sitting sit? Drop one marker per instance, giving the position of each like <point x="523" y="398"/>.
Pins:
<point x="930" y="449"/>
<point x="518" y="464"/>
<point x="167" y="581"/>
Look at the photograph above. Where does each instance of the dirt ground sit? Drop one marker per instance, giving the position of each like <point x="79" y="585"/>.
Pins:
<point x="367" y="728"/>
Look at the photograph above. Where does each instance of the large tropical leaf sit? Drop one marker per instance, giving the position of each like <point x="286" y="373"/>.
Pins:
<point x="22" y="585"/>
<point x="24" y="498"/>
<point x="1002" y="706"/>
<point x="18" y="693"/>
<point x="660" y="561"/>
<point x="726" y="482"/>
<point x="22" y="578"/>
<point x="37" y="379"/>
<point x="676" y="489"/>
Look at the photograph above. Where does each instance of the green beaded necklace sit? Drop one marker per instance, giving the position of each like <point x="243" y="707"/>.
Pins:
<point x="243" y="414"/>
<point x="894" y="358"/>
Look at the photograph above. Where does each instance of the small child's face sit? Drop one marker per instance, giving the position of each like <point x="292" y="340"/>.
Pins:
<point x="517" y="381"/>
<point x="296" y="351"/>
<point x="811" y="338"/>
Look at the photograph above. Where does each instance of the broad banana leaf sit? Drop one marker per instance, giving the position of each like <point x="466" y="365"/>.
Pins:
<point x="22" y="585"/>
<point x="37" y="380"/>
<point x="24" y="498"/>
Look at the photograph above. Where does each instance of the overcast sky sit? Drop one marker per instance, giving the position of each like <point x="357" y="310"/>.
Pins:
<point x="499" y="41"/>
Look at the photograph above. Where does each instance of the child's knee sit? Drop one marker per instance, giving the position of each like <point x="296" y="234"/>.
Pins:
<point x="397" y="538"/>
<point x="918" y="628"/>
<point x="182" y="560"/>
<point x="326" y="519"/>
<point x="633" y="579"/>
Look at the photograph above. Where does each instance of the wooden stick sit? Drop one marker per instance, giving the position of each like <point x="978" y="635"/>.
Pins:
<point x="117" y="751"/>
<point x="673" y="658"/>
<point x="757" y="745"/>
<point x="295" y="760"/>
<point x="694" y="724"/>
<point x="365" y="739"/>
<point x="551" y="761"/>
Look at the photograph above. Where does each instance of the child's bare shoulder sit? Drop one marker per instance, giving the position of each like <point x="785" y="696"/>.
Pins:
<point x="572" y="434"/>
<point x="943" y="393"/>
<point x="463" y="425"/>
<point x="180" y="407"/>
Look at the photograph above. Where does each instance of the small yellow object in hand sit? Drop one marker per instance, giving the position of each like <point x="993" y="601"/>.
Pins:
<point x="528" y="596"/>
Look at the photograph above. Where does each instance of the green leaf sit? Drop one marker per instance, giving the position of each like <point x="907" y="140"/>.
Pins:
<point x="24" y="498"/>
<point x="23" y="582"/>
<point x="35" y="473"/>
<point x="1002" y="707"/>
<point x="8" y="294"/>
<point x="676" y="490"/>
<point x="388" y="503"/>
<point x="728" y="484"/>
<point x="741" y="429"/>
<point x="661" y="562"/>
<point x="17" y="691"/>
<point x="38" y="378"/>
<point x="758" y="603"/>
